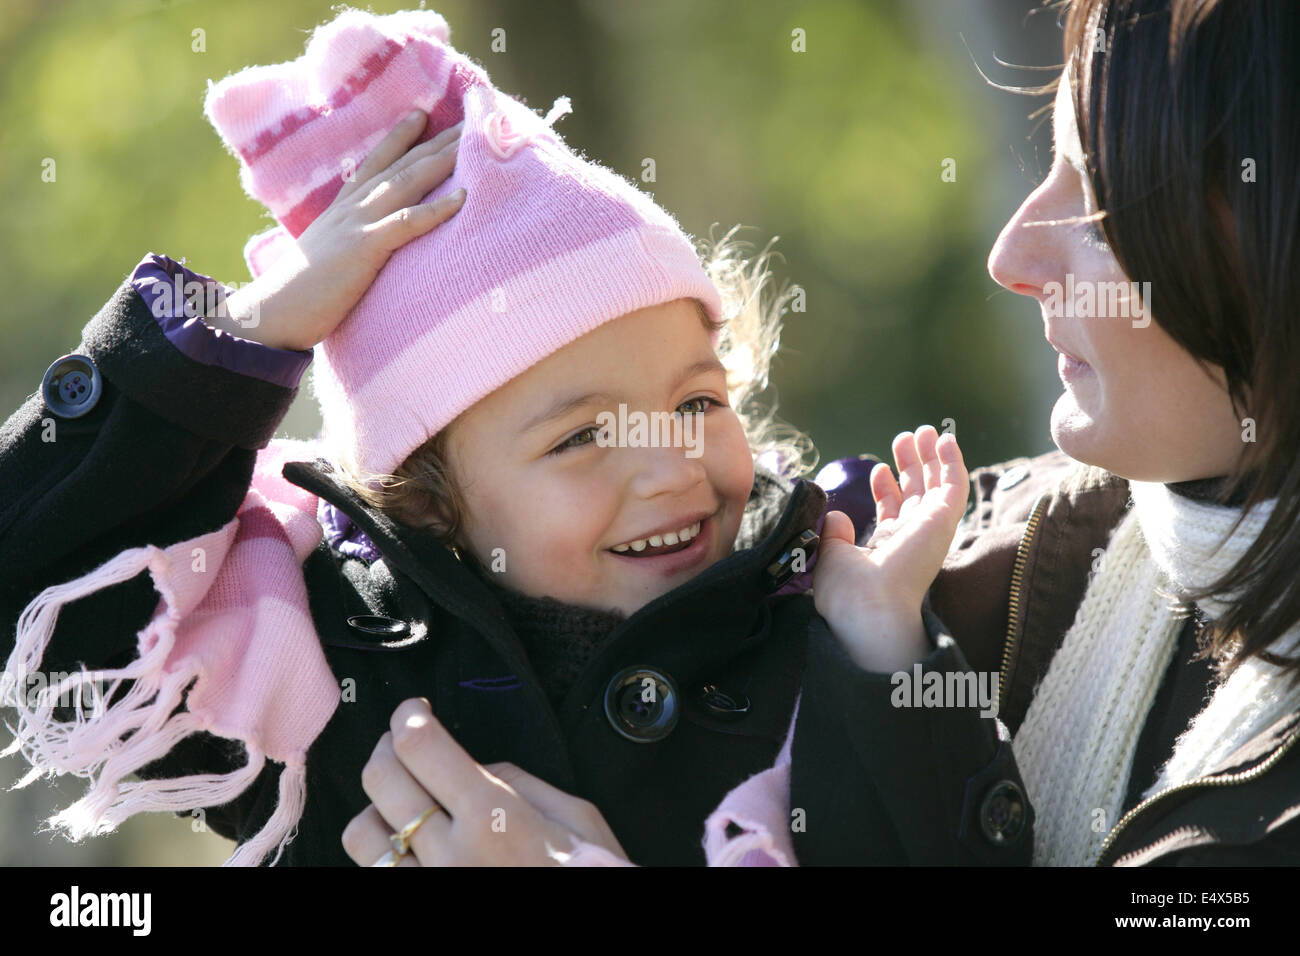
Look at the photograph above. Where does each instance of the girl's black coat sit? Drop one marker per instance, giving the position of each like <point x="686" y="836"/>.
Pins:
<point x="167" y="454"/>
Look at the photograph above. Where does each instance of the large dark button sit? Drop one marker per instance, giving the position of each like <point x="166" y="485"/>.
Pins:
<point x="642" y="704"/>
<point x="71" y="386"/>
<point x="782" y="569"/>
<point x="1002" y="814"/>
<point x="722" y="705"/>
<point x="376" y="626"/>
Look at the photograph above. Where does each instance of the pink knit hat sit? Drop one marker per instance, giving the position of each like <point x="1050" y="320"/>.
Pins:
<point x="547" y="247"/>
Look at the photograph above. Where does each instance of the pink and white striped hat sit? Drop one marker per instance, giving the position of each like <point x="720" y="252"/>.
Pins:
<point x="547" y="247"/>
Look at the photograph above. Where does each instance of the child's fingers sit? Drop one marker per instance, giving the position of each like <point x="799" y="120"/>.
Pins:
<point x="838" y="525"/>
<point x="952" y="468"/>
<point x="911" y="479"/>
<point x="407" y="223"/>
<point x="405" y="183"/>
<point x="925" y="440"/>
<point x="390" y="149"/>
<point x="886" y="493"/>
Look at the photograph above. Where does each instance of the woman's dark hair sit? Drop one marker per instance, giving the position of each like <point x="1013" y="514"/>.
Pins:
<point x="1188" y="113"/>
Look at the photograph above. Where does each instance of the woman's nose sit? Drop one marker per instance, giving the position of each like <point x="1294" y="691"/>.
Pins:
<point x="1026" y="256"/>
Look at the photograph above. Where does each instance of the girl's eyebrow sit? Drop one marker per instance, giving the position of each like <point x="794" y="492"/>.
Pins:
<point x="566" y="404"/>
<point x="563" y="406"/>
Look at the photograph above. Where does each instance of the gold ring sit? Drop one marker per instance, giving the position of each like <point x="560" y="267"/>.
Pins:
<point x="401" y="840"/>
<point x="388" y="859"/>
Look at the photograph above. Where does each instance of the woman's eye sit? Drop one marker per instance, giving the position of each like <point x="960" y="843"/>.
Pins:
<point x="704" y="403"/>
<point x="576" y="440"/>
<point x="1095" y="236"/>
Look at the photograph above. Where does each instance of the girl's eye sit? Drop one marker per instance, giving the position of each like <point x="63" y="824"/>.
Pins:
<point x="692" y="406"/>
<point x="576" y="440"/>
<point x="705" y="404"/>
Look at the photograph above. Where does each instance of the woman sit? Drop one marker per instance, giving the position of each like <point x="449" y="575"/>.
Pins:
<point x="1135" y="747"/>
<point x="1135" y="592"/>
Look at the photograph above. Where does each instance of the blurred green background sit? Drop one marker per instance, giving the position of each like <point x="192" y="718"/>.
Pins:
<point x="839" y="150"/>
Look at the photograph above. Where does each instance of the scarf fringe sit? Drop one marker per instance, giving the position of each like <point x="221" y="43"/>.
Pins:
<point x="280" y="830"/>
<point x="106" y="744"/>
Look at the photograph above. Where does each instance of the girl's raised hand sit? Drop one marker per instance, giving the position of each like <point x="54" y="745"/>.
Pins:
<point x="311" y="288"/>
<point x="871" y="596"/>
<point x="498" y="815"/>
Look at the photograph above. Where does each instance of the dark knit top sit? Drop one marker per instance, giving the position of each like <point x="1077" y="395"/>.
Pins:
<point x="559" y="638"/>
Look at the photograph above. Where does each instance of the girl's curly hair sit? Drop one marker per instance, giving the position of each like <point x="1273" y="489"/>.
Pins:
<point x="421" y="491"/>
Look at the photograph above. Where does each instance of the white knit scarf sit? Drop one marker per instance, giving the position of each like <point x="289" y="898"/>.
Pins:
<point x="1075" y="747"/>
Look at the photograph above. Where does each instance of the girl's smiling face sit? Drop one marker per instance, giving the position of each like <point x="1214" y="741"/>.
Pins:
<point x="547" y="503"/>
<point x="1134" y="401"/>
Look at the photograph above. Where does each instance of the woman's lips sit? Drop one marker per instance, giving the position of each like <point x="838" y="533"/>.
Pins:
<point x="1068" y="367"/>
<point x="668" y="563"/>
<point x="1071" y="369"/>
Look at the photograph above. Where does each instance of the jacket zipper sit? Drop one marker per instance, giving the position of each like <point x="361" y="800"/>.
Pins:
<point x="1017" y="576"/>
<point x="1207" y="781"/>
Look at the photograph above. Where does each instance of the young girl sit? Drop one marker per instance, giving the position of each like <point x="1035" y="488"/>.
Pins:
<point x="613" y="614"/>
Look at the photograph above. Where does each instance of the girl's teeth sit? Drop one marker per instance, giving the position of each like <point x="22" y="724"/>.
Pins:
<point x="658" y="541"/>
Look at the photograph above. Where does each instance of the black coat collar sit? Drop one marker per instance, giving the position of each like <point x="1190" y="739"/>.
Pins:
<point x="777" y="512"/>
<point x="725" y="597"/>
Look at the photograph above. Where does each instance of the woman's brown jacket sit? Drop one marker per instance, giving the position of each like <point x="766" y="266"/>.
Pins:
<point x="1008" y="594"/>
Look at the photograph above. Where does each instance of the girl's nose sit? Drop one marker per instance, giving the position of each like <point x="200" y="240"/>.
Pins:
<point x="665" y="471"/>
<point x="1026" y="256"/>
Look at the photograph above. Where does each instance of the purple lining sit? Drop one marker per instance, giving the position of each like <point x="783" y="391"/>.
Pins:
<point x="343" y="535"/>
<point x="200" y="341"/>
<point x="508" y="682"/>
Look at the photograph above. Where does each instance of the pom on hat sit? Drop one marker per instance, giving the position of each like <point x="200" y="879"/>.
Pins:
<point x="299" y="128"/>
<point x="547" y="246"/>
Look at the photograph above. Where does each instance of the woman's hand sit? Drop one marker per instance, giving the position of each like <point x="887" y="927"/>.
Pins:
<point x="871" y="596"/>
<point x="496" y="815"/>
<point x="311" y="289"/>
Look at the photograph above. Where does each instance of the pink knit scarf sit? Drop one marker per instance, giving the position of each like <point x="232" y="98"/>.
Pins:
<point x="233" y="618"/>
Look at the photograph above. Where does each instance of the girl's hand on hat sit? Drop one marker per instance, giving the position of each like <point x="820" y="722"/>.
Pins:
<point x="309" y="291"/>
<point x="871" y="596"/>
<point x="497" y="815"/>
